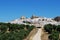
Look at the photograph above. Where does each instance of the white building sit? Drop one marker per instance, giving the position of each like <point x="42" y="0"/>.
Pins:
<point x="38" y="21"/>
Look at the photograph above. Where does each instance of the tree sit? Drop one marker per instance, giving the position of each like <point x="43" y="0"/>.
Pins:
<point x="54" y="36"/>
<point x="3" y="28"/>
<point x="58" y="28"/>
<point x="48" y="28"/>
<point x="16" y="31"/>
<point x="54" y="27"/>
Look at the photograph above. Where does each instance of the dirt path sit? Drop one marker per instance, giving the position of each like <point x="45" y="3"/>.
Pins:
<point x="44" y="35"/>
<point x="37" y="36"/>
<point x="32" y="33"/>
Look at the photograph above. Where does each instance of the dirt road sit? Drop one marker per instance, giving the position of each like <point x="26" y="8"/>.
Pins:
<point x="37" y="36"/>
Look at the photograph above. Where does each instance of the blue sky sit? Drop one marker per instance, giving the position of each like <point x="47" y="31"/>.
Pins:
<point x="12" y="9"/>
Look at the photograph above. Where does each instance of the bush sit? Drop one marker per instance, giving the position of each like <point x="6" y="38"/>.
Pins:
<point x="48" y="28"/>
<point x="53" y="30"/>
<point x="16" y="31"/>
<point x="58" y="28"/>
<point x="54" y="35"/>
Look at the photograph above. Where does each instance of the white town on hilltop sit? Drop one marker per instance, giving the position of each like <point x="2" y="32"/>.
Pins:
<point x="35" y="20"/>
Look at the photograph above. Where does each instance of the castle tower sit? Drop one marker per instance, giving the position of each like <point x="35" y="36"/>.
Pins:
<point x="33" y="16"/>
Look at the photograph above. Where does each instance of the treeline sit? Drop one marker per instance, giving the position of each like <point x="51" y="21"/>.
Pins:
<point x="53" y="30"/>
<point x="14" y="31"/>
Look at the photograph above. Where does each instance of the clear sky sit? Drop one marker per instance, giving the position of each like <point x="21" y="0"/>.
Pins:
<point x="12" y="9"/>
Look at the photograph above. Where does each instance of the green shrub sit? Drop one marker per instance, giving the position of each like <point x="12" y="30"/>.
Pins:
<point x="54" y="35"/>
<point x="16" y="31"/>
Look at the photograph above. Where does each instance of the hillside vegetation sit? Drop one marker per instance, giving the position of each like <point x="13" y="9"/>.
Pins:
<point x="14" y="31"/>
<point x="53" y="31"/>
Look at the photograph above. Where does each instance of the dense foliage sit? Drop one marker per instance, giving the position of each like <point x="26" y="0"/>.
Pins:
<point x="14" y="31"/>
<point x="53" y="30"/>
<point x="54" y="35"/>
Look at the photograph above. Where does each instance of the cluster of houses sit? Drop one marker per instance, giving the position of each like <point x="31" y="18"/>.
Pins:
<point x="35" y="20"/>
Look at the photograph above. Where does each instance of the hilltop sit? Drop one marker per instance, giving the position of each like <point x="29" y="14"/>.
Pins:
<point x="40" y="21"/>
